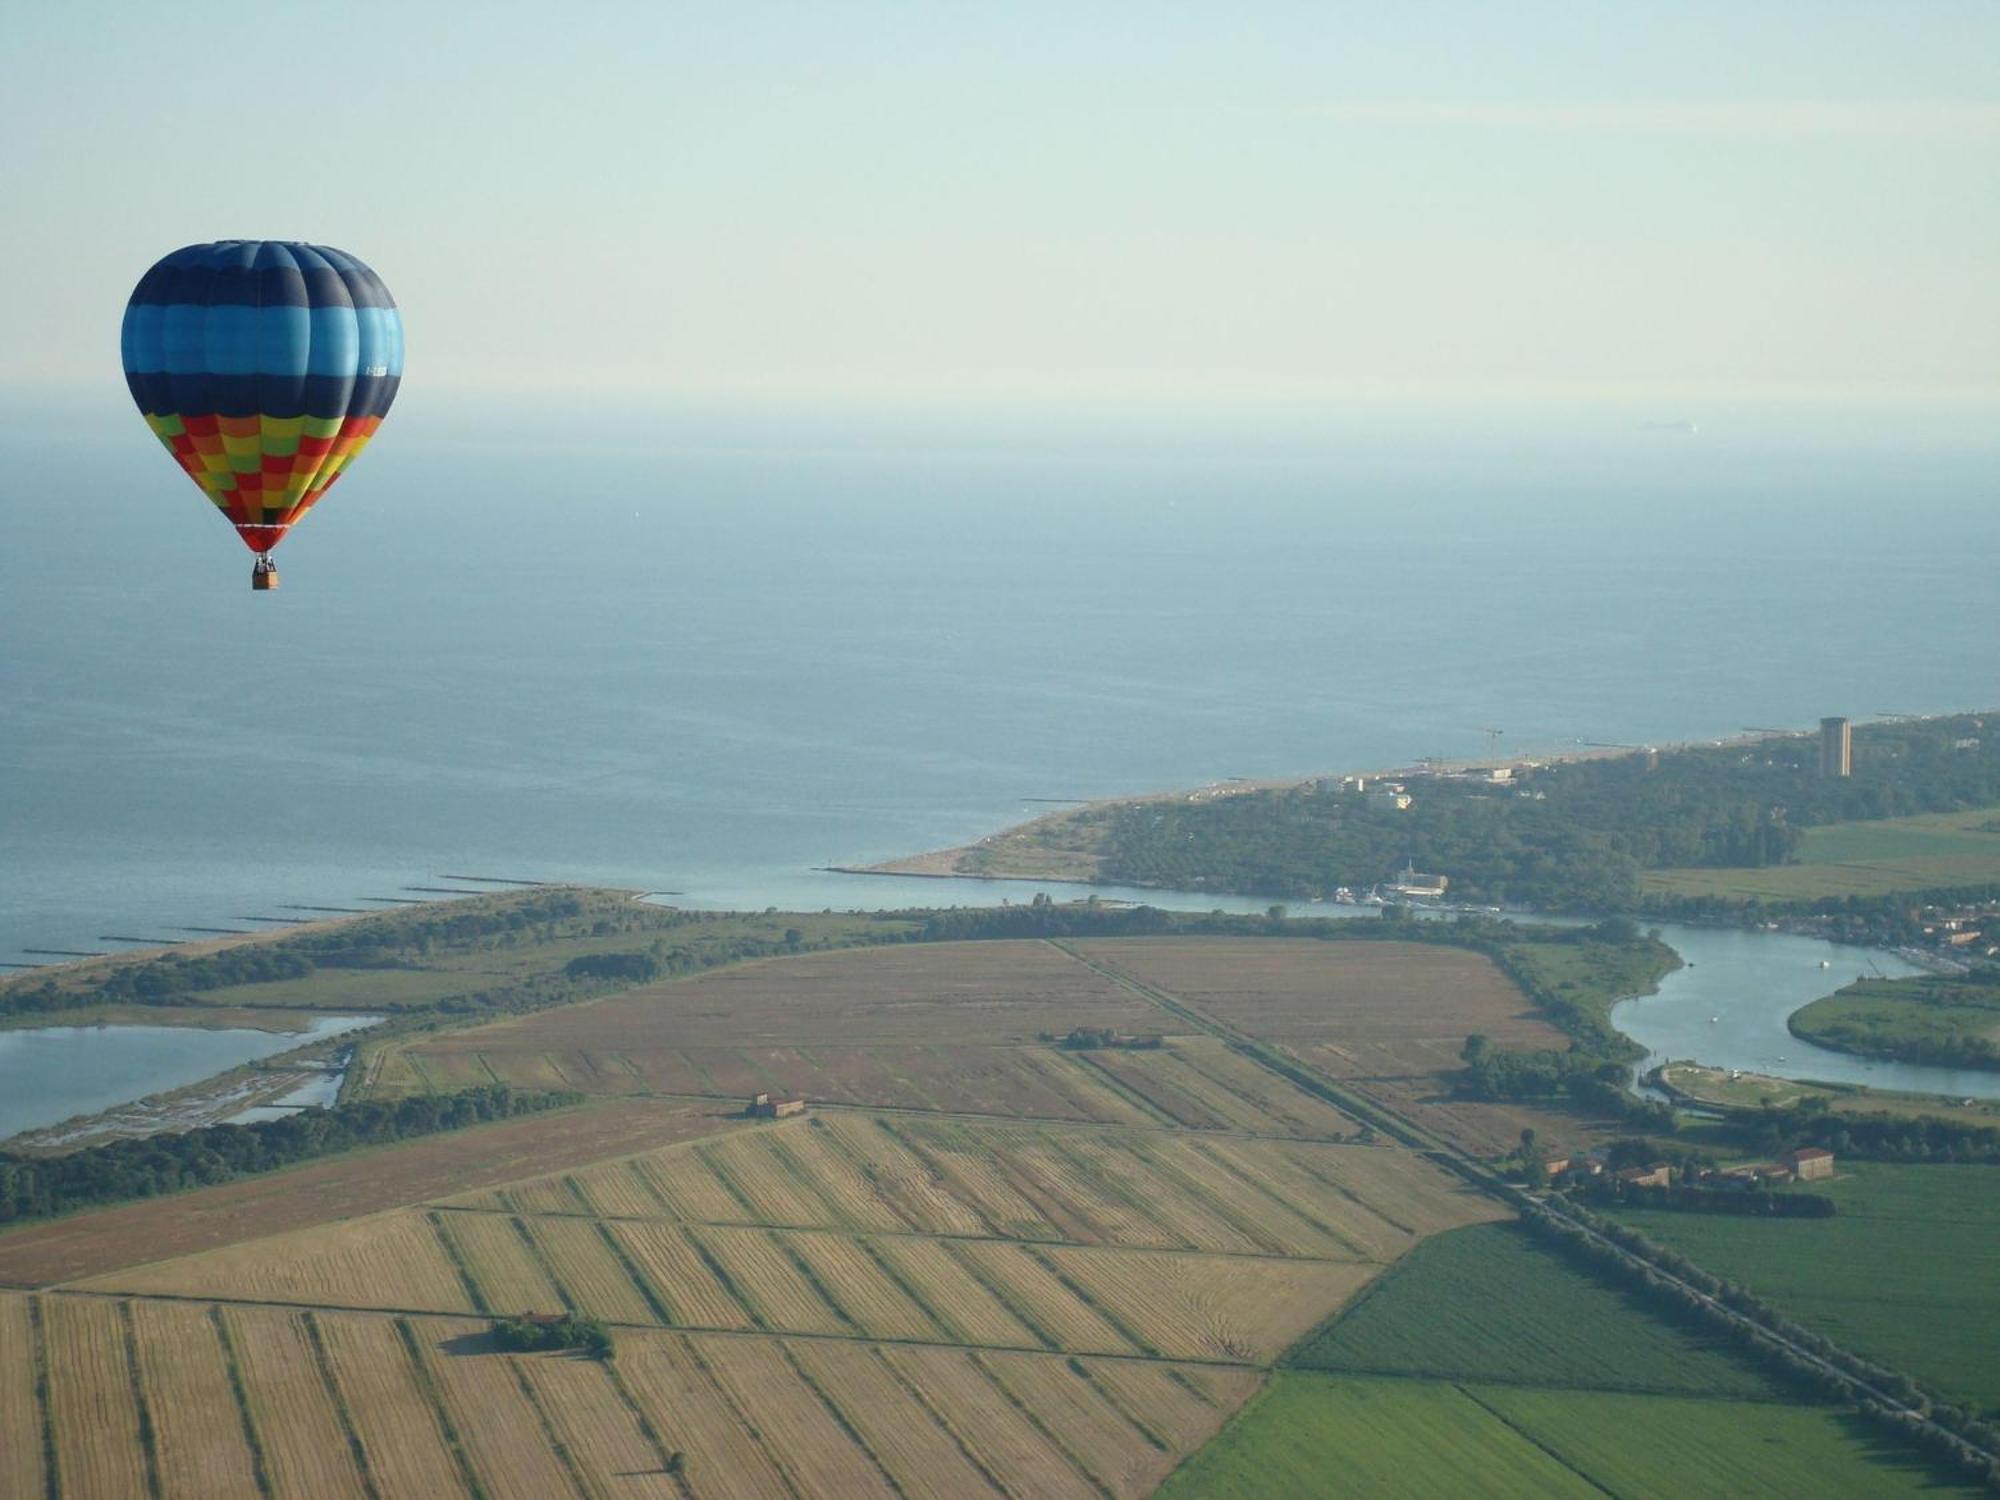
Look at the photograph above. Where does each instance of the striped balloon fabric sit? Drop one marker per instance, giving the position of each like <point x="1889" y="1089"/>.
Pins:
<point x="264" y="367"/>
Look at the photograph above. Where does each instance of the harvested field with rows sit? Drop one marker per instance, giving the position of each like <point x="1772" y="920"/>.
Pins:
<point x="1350" y="1009"/>
<point x="948" y="1027"/>
<point x="1028" y="1237"/>
<point x="1043" y="1271"/>
<point x="363" y="1182"/>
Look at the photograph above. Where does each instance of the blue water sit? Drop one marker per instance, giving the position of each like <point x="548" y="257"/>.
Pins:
<point x="48" y="1073"/>
<point x="705" y="650"/>
<point x="1728" y="1005"/>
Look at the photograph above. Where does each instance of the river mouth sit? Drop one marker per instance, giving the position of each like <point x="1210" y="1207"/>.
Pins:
<point x="1727" y="1007"/>
<point x="49" y="1074"/>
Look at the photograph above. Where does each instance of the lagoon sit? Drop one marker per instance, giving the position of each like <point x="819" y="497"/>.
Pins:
<point x="50" y="1073"/>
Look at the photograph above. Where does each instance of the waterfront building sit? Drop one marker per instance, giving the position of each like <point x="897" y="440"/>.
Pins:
<point x="1836" y="747"/>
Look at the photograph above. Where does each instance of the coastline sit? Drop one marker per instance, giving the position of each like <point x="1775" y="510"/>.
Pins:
<point x="1058" y="845"/>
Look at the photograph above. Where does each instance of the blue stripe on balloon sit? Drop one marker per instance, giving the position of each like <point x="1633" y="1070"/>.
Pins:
<point x="336" y="342"/>
<point x="381" y="340"/>
<point x="224" y="339"/>
<point x="139" y="339"/>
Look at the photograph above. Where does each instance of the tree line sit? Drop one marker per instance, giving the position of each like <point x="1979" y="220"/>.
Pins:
<point x="1773" y="1130"/>
<point x="1569" y="836"/>
<point x="34" y="1187"/>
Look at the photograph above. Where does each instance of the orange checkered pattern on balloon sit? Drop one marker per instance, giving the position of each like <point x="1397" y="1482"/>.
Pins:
<point x="264" y="471"/>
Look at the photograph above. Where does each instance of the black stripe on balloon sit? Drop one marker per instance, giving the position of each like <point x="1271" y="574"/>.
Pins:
<point x="274" y="286"/>
<point x="323" y="396"/>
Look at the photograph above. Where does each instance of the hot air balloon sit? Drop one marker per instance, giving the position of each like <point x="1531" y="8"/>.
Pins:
<point x="264" y="366"/>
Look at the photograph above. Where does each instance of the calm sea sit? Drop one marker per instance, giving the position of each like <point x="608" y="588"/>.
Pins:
<point x="705" y="650"/>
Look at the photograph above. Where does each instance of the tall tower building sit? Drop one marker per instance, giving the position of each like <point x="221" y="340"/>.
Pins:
<point x="1836" y="747"/>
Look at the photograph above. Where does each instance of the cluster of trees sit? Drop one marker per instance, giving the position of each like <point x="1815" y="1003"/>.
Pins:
<point x="1680" y="1288"/>
<point x="165" y="979"/>
<point x="458" y="925"/>
<point x="632" y="968"/>
<point x="1572" y="836"/>
<point x="1045" y="918"/>
<point x="34" y="1187"/>
<point x="1590" y="1074"/>
<point x="1772" y="1130"/>
<point x="1092" y="1038"/>
<point x="1580" y="1077"/>
<point x="532" y="1335"/>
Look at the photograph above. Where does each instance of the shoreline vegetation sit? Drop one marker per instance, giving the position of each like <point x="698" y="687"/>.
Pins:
<point x="1732" y="830"/>
<point x="1948" y="1021"/>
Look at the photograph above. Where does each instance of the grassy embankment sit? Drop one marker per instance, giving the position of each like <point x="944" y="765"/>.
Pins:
<point x="1481" y="1365"/>
<point x="1718" y="1088"/>
<point x="1951" y="1022"/>
<point x="1935" y="851"/>
<point x="1908" y="1271"/>
<point x="1590" y="977"/>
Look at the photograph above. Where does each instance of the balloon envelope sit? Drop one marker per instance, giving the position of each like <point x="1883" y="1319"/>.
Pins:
<point x="265" y="367"/>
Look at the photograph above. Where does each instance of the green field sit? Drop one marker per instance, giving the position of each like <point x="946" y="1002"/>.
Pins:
<point x="1907" y="1272"/>
<point x="1859" y="859"/>
<point x="1673" y="1446"/>
<point x="1485" y="1304"/>
<point x="1313" y="1434"/>
<point x="1930" y="1018"/>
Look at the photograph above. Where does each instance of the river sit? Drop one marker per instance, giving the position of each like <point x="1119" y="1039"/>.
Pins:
<point x="1727" y="1007"/>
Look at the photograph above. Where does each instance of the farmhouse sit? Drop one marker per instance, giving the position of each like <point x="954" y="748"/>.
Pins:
<point x="774" y="1109"/>
<point x="1659" y="1174"/>
<point x="1810" y="1162"/>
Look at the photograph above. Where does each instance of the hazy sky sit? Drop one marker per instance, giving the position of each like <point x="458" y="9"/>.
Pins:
<point x="1196" y="199"/>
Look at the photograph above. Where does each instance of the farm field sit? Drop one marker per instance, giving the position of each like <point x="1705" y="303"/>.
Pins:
<point x="1314" y="1434"/>
<point x="1099" y="1241"/>
<point x="1386" y="1019"/>
<point x="940" y="1026"/>
<point x="1859" y="859"/>
<point x="362" y="1182"/>
<point x="1309" y="1434"/>
<point x="427" y="1406"/>
<point x="20" y="1410"/>
<point x="1353" y="1010"/>
<point x="1908" y="1271"/>
<point x="954" y="1297"/>
<point x="1485" y="1304"/>
<point x="810" y="1024"/>
<point x="1662" y="1447"/>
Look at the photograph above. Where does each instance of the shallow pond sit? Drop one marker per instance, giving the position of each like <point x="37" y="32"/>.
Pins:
<point x="49" y="1073"/>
